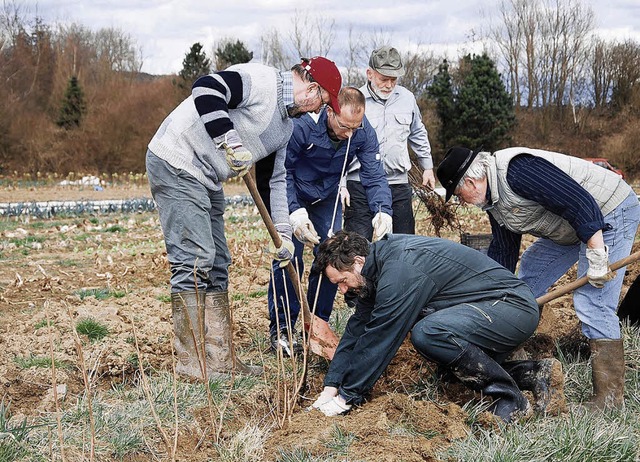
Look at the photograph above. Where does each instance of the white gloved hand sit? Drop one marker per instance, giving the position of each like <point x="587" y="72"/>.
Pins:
<point x="303" y="229"/>
<point x="598" y="273"/>
<point x="382" y="224"/>
<point x="284" y="253"/>
<point x="345" y="197"/>
<point x="334" y="407"/>
<point x="327" y="395"/>
<point x="238" y="157"/>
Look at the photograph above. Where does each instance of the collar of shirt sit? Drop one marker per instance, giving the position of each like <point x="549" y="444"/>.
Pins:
<point x="287" y="88"/>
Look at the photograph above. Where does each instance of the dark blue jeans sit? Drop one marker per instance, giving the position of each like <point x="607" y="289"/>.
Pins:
<point x="320" y="214"/>
<point x="358" y="216"/>
<point x="192" y="222"/>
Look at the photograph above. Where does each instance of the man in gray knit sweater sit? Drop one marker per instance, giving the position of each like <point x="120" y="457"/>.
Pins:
<point x="232" y="119"/>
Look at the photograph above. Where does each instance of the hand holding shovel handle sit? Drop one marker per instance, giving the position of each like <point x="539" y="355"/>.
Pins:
<point x="565" y="289"/>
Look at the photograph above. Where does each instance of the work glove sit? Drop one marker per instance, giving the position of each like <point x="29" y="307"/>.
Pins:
<point x="238" y="158"/>
<point x="345" y="197"/>
<point x="303" y="229"/>
<point x="284" y="253"/>
<point x="334" y="407"/>
<point x="382" y="224"/>
<point x="327" y="395"/>
<point x="598" y="273"/>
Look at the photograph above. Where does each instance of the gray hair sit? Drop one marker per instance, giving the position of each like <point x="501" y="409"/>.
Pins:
<point x="478" y="168"/>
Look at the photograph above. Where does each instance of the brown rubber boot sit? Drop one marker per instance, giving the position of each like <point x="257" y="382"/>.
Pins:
<point x="607" y="362"/>
<point x="188" y="327"/>
<point x="221" y="357"/>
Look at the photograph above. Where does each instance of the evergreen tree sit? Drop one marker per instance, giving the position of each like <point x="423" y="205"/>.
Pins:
<point x="194" y="64"/>
<point x="441" y="90"/>
<point x="229" y="53"/>
<point x="484" y="110"/>
<point x="73" y="106"/>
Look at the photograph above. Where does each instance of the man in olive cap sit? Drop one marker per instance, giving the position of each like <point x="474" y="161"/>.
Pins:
<point x="232" y="119"/>
<point x="394" y="114"/>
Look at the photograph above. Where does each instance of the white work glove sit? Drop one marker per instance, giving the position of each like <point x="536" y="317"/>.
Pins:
<point x="238" y="158"/>
<point x="598" y="273"/>
<point x="327" y="395"/>
<point x="334" y="407"/>
<point x="303" y="229"/>
<point x="382" y="224"/>
<point x="345" y="197"/>
<point x="284" y="253"/>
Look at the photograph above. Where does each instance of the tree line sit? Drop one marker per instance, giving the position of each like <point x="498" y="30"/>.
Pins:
<point x="75" y="100"/>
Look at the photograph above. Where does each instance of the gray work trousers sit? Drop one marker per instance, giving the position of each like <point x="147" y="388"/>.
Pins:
<point x="192" y="222"/>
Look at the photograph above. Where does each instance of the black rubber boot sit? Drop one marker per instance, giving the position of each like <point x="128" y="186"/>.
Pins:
<point x="481" y="373"/>
<point x="544" y="378"/>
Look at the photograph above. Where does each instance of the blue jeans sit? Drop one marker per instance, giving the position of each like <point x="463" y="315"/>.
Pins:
<point x="320" y="214"/>
<point x="192" y="222"/>
<point x="544" y="262"/>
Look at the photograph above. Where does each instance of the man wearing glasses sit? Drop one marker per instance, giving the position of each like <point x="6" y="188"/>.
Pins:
<point x="232" y="119"/>
<point x="395" y="116"/>
<point x="317" y="155"/>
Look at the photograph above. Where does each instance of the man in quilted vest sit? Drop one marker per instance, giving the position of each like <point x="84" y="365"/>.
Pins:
<point x="580" y="213"/>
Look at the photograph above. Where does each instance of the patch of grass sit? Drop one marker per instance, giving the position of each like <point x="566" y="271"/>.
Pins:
<point x="247" y="444"/>
<point x="83" y="237"/>
<point x="99" y="294"/>
<point x="92" y="328"/>
<point x="340" y="441"/>
<point x="164" y="298"/>
<point x="115" y="229"/>
<point x="44" y="362"/>
<point x="12" y="436"/>
<point x="298" y="455"/>
<point x="67" y="263"/>
<point x="42" y="323"/>
<point x="27" y="241"/>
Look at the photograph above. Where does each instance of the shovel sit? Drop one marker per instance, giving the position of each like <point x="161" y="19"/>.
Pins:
<point x="322" y="340"/>
<point x="565" y="289"/>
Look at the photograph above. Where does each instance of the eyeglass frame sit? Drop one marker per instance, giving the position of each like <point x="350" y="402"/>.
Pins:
<point x="344" y="127"/>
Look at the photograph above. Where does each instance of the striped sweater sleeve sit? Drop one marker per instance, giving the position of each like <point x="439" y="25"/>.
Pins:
<point x="214" y="95"/>
<point x="539" y="180"/>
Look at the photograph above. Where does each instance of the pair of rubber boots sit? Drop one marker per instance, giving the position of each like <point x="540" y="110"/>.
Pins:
<point x="204" y="336"/>
<point x="503" y="383"/>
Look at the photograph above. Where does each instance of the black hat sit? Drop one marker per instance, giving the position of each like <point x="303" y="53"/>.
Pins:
<point x="453" y="167"/>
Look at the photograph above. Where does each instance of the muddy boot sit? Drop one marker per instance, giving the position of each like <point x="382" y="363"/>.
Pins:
<point x="544" y="379"/>
<point x="481" y="373"/>
<point x="221" y="357"/>
<point x="188" y="322"/>
<point x="607" y="362"/>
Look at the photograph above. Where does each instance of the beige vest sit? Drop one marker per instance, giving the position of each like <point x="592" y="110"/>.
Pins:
<point x="524" y="216"/>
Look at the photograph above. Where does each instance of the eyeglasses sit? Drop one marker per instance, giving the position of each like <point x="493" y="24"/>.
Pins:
<point x="344" y="127"/>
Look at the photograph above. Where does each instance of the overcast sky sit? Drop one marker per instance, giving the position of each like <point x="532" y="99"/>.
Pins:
<point x="164" y="30"/>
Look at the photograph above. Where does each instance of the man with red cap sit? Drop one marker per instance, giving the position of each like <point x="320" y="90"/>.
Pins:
<point x="232" y="119"/>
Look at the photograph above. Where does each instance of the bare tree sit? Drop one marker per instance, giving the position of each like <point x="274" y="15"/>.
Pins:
<point x="357" y="58"/>
<point x="312" y="36"/>
<point x="545" y="45"/>
<point x="273" y="50"/>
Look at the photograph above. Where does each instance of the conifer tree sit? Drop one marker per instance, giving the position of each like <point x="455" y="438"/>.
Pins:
<point x="229" y="53"/>
<point x="195" y="64"/>
<point x="73" y="106"/>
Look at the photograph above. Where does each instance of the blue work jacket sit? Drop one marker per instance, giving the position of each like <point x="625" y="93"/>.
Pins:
<point x="314" y="165"/>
